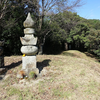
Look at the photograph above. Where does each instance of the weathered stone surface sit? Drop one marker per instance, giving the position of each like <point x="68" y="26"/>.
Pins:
<point x="28" y="40"/>
<point x="26" y="72"/>
<point x="29" y="50"/>
<point x="1" y="61"/>
<point x="29" y="62"/>
<point x="21" y="74"/>
<point x="28" y="31"/>
<point x="28" y="23"/>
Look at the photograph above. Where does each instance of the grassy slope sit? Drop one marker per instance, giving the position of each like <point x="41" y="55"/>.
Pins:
<point x="69" y="76"/>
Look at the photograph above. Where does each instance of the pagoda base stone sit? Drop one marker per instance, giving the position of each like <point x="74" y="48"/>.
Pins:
<point x="29" y="62"/>
<point x="28" y="66"/>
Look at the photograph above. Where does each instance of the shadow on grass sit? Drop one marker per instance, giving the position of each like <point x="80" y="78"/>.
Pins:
<point x="40" y="66"/>
<point x="13" y="65"/>
<point x="97" y="58"/>
<point x="44" y="63"/>
<point x="3" y="70"/>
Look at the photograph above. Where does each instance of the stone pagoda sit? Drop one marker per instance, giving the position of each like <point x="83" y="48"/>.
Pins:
<point x="29" y="48"/>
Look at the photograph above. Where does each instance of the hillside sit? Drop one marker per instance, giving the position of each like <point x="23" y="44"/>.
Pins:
<point x="69" y="76"/>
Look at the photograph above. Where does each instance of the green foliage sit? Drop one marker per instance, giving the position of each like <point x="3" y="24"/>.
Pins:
<point x="60" y="27"/>
<point x="80" y="33"/>
<point x="78" y="36"/>
<point x="93" y="23"/>
<point x="64" y="27"/>
<point x="12" y="30"/>
<point x="93" y="42"/>
<point x="58" y="34"/>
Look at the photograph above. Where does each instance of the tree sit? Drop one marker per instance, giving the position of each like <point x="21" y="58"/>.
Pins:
<point x="55" y="38"/>
<point x="42" y="10"/>
<point x="4" y="5"/>
<point x="65" y="21"/>
<point x="11" y="24"/>
<point x="94" y="23"/>
<point x="4" y="8"/>
<point x="12" y="16"/>
<point x="12" y="31"/>
<point x="7" y="8"/>
<point x="46" y="8"/>
<point x="93" y="42"/>
<point x="78" y="36"/>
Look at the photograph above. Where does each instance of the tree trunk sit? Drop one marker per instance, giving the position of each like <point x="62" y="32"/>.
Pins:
<point x="40" y="51"/>
<point x="65" y="46"/>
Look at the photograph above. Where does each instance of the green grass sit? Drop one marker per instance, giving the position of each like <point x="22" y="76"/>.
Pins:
<point x="60" y="93"/>
<point x="82" y="73"/>
<point x="41" y="88"/>
<point x="25" y="94"/>
<point x="91" y="88"/>
<point x="13" y="91"/>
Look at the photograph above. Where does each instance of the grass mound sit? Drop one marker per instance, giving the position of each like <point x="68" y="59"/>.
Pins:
<point x="74" y="53"/>
<point x="78" y="54"/>
<point x="71" y="77"/>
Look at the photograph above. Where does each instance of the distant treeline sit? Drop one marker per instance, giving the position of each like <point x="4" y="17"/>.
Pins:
<point x="62" y="31"/>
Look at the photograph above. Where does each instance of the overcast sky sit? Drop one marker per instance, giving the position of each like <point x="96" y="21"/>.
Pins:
<point x="90" y="9"/>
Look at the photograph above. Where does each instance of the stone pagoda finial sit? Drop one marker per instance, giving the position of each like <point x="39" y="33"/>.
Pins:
<point x="28" y="23"/>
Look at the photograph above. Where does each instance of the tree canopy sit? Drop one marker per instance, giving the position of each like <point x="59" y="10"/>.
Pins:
<point x="55" y="25"/>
